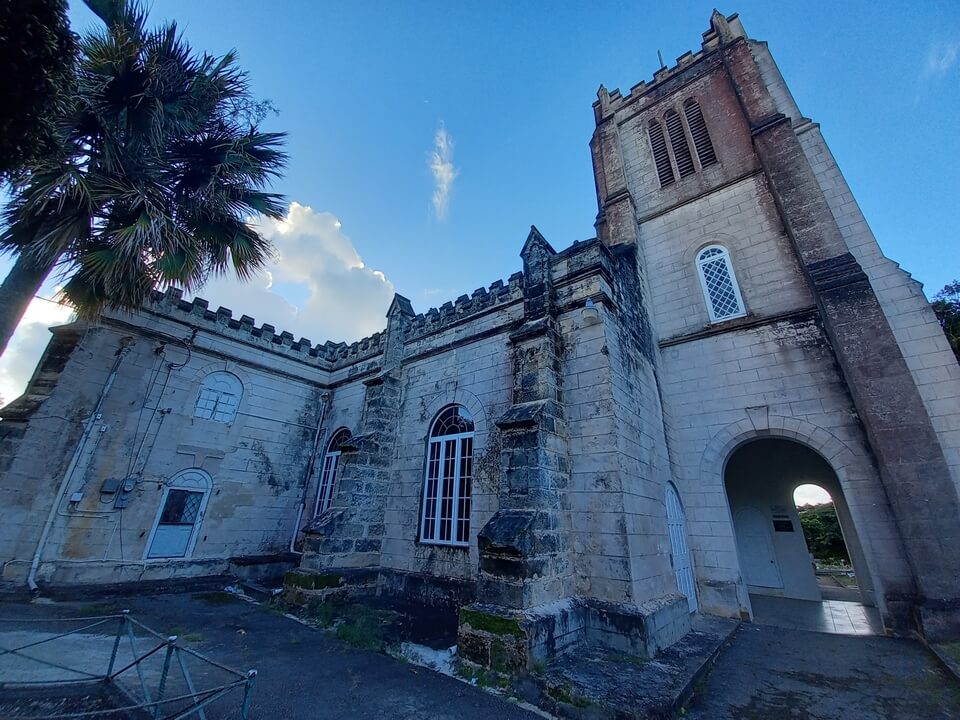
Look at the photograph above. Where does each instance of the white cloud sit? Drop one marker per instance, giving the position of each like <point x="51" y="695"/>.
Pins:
<point x="27" y="345"/>
<point x="941" y="57"/>
<point x="317" y="286"/>
<point x="443" y="170"/>
<point x="810" y="495"/>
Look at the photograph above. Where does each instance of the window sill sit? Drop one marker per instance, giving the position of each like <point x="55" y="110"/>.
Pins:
<point x="442" y="544"/>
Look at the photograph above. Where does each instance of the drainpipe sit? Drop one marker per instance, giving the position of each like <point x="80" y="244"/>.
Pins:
<point x="324" y="400"/>
<point x="68" y="475"/>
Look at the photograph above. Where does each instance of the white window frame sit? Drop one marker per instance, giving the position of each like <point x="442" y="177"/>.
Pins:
<point x="728" y="264"/>
<point x="216" y="387"/>
<point x="191" y="480"/>
<point x="455" y="519"/>
<point x="328" y="474"/>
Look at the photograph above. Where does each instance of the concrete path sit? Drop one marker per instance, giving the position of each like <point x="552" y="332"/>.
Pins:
<point x="829" y="616"/>
<point x="767" y="672"/>
<point x="780" y="673"/>
<point x="303" y="674"/>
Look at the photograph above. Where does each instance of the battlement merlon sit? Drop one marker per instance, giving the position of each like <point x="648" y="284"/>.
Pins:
<point x="331" y="356"/>
<point x="723" y="29"/>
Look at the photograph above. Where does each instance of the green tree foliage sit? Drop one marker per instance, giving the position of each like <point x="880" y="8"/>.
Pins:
<point x="159" y="161"/>
<point x="946" y="305"/>
<point x="38" y="55"/>
<point x="821" y="529"/>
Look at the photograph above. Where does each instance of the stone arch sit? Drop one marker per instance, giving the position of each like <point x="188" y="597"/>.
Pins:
<point x="759" y="423"/>
<point x="457" y="396"/>
<point x="196" y="373"/>
<point x="848" y="463"/>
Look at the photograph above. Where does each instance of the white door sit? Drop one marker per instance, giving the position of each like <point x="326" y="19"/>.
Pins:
<point x="679" y="550"/>
<point x="758" y="561"/>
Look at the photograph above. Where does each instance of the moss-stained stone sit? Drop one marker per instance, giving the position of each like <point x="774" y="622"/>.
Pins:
<point x="312" y="581"/>
<point x="493" y="624"/>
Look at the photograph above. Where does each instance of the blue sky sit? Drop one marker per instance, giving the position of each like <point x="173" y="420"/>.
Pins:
<point x="365" y="90"/>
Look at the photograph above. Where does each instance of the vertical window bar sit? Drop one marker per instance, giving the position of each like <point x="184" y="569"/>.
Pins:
<point x="449" y="478"/>
<point x="698" y="131"/>
<point x="430" y="495"/>
<point x="661" y="156"/>
<point x="465" y="489"/>
<point x="678" y="141"/>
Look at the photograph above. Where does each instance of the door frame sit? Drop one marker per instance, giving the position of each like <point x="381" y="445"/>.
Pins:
<point x="192" y="480"/>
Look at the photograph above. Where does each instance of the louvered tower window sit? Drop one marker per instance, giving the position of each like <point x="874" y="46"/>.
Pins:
<point x="678" y="141"/>
<point x="698" y="131"/>
<point x="660" y="154"/>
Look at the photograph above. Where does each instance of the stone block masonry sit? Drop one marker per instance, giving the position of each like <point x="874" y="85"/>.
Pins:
<point x="546" y="458"/>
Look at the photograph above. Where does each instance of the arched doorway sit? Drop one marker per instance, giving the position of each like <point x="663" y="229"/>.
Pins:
<point x="761" y="478"/>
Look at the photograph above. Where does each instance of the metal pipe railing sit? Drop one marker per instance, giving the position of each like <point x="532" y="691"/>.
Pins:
<point x="156" y="705"/>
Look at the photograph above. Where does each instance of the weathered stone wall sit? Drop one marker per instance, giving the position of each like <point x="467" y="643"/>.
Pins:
<point x="146" y="430"/>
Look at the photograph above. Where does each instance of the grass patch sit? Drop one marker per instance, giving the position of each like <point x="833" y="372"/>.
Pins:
<point x="564" y="694"/>
<point x="312" y="581"/>
<point x="192" y="637"/>
<point x="629" y="659"/>
<point x="493" y="624"/>
<point x="217" y="597"/>
<point x="356" y="624"/>
<point x="482" y="677"/>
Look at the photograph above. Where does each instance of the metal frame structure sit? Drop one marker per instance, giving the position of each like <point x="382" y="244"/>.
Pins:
<point x="144" y="699"/>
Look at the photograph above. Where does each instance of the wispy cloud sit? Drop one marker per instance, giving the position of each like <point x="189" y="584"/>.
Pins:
<point x="443" y="170"/>
<point x="941" y="57"/>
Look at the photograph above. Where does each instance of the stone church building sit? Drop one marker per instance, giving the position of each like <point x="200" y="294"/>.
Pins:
<point x="589" y="452"/>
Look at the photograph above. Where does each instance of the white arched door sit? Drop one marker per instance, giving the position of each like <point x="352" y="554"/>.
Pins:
<point x="679" y="550"/>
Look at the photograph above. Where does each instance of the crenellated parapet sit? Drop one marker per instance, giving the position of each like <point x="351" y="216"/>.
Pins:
<point x="465" y="306"/>
<point x="722" y="29"/>
<point x="330" y="356"/>
<point x="197" y="312"/>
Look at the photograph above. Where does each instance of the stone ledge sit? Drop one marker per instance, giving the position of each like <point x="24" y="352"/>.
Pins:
<point x="601" y="684"/>
<point x="510" y="641"/>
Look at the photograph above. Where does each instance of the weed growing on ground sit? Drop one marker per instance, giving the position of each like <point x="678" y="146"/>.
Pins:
<point x="482" y="676"/>
<point x="564" y="694"/>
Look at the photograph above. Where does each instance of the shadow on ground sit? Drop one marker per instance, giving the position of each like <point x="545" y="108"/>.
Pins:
<point x="781" y="673"/>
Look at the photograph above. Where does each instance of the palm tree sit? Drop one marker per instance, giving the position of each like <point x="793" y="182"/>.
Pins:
<point x="158" y="164"/>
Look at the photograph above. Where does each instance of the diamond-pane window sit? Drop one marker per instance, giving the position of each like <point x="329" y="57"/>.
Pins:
<point x="720" y="289"/>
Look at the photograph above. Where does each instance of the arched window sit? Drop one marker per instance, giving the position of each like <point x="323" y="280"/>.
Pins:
<point x="698" y="131"/>
<point x="661" y="156"/>
<point x="449" y="477"/>
<point x="678" y="141"/>
<point x="720" y="288"/>
<point x="182" y="505"/>
<point x="328" y="474"/>
<point x="219" y="397"/>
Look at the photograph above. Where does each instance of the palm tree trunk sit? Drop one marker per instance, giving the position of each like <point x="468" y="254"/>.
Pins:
<point x="18" y="289"/>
